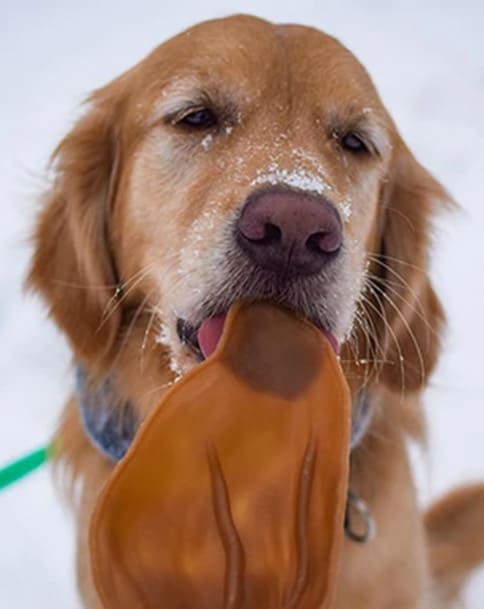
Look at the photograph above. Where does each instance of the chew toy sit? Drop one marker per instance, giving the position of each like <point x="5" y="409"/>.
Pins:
<point x="233" y="493"/>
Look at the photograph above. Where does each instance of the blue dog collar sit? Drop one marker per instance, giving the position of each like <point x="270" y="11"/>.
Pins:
<point x="110" y="424"/>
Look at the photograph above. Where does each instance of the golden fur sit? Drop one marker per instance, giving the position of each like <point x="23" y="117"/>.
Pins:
<point x="141" y="204"/>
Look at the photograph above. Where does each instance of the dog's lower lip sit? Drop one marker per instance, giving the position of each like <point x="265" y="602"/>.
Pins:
<point x="187" y="333"/>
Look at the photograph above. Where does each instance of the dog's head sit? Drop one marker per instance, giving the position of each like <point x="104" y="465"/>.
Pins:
<point x="242" y="160"/>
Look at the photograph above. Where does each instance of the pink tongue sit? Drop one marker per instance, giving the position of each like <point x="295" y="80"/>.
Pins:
<point x="211" y="330"/>
<point x="210" y="333"/>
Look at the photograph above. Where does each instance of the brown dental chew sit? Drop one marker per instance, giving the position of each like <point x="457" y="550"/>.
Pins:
<point x="233" y="493"/>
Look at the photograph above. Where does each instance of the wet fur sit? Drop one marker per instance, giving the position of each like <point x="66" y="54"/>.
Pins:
<point x="94" y="266"/>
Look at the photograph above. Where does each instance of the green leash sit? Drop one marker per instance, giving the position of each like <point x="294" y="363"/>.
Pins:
<point x="18" y="469"/>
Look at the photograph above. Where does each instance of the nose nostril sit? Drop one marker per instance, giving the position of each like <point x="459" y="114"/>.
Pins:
<point x="267" y="234"/>
<point x="272" y="234"/>
<point x="324" y="242"/>
<point x="312" y="244"/>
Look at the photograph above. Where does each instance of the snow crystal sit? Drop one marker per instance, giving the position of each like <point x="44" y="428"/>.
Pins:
<point x="207" y="142"/>
<point x="346" y="210"/>
<point x="167" y="338"/>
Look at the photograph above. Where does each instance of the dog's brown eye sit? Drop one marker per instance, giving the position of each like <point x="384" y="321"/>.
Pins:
<point x="353" y="143"/>
<point x="204" y="118"/>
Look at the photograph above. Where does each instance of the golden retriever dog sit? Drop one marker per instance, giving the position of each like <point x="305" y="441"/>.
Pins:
<point x="246" y="160"/>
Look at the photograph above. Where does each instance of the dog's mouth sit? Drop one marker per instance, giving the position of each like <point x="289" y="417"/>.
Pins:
<point x="323" y="299"/>
<point x="204" y="339"/>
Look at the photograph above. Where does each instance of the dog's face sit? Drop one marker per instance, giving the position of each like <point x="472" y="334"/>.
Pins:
<point x="257" y="173"/>
<point x="243" y="160"/>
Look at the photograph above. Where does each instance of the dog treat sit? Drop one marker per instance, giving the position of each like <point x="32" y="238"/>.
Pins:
<point x="233" y="493"/>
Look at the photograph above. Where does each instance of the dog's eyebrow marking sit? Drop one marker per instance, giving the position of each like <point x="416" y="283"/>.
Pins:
<point x="176" y="96"/>
<point x="185" y="94"/>
<point x="366" y="122"/>
<point x="373" y="134"/>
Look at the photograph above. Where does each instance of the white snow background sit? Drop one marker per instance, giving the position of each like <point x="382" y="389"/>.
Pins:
<point x="427" y="60"/>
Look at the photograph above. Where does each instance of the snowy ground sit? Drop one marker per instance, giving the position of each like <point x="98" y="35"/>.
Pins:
<point x="428" y="62"/>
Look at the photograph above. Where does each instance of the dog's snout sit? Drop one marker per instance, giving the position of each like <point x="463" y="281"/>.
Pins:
<point x="289" y="232"/>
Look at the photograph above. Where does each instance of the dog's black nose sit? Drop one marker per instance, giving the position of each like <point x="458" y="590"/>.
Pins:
<point x="289" y="232"/>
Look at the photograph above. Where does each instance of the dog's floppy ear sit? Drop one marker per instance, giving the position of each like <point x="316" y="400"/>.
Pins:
<point x="73" y="266"/>
<point x="414" y="318"/>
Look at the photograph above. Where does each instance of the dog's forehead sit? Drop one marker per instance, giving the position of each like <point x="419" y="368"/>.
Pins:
<point x="250" y="54"/>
